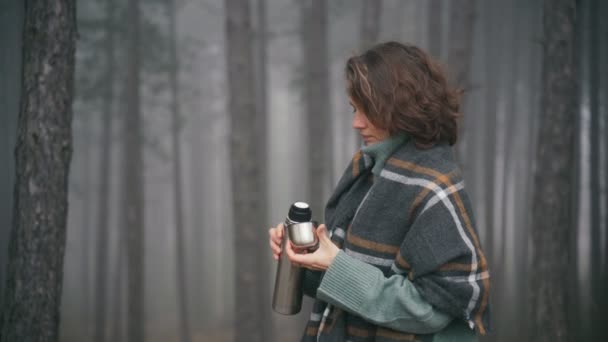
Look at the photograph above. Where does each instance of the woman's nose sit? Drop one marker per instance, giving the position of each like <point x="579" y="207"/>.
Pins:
<point x="358" y="121"/>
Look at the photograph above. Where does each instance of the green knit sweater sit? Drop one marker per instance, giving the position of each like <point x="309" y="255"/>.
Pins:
<point x="377" y="304"/>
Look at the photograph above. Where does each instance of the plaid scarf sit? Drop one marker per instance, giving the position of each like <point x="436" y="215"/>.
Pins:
<point x="415" y="220"/>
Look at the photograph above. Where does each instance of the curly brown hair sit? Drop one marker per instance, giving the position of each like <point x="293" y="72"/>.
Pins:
<point x="401" y="88"/>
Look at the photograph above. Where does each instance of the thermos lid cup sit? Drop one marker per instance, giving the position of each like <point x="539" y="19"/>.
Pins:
<point x="300" y="212"/>
<point x="302" y="234"/>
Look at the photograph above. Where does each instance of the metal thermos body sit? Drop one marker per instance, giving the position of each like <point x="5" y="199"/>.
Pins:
<point x="287" y="295"/>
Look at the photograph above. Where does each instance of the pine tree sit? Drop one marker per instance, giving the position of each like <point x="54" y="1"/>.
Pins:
<point x="553" y="215"/>
<point x="43" y="153"/>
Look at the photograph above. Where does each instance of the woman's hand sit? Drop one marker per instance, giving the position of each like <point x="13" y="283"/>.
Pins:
<point x="321" y="258"/>
<point x="275" y="239"/>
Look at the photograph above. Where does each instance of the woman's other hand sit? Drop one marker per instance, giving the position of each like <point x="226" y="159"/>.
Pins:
<point x="321" y="258"/>
<point x="275" y="239"/>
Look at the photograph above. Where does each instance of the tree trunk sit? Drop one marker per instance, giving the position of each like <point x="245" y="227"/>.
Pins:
<point x="133" y="197"/>
<point x="594" y="165"/>
<point x="490" y="85"/>
<point x="11" y="33"/>
<point x="118" y="289"/>
<point x="198" y="148"/>
<point x="580" y="258"/>
<point x="43" y="153"/>
<point x="85" y="225"/>
<point x="104" y="178"/>
<point x="603" y="32"/>
<point x="553" y="196"/>
<point x="462" y="19"/>
<point x="316" y="101"/>
<point x="371" y="11"/>
<point x="245" y="175"/>
<point x="479" y="117"/>
<point x="526" y="109"/>
<point x="180" y="250"/>
<point x="501" y="149"/>
<point x="261" y="80"/>
<point x="434" y="27"/>
<point x="370" y="23"/>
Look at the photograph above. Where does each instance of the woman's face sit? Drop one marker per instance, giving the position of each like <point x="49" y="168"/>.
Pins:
<point x="369" y="133"/>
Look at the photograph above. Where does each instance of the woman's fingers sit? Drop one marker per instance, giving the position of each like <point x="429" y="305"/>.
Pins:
<point x="276" y="249"/>
<point x="318" y="260"/>
<point x="280" y="229"/>
<point x="273" y="237"/>
<point x="276" y="232"/>
<point x="308" y="260"/>
<point x="293" y="256"/>
<point x="275" y="240"/>
<point x="322" y="233"/>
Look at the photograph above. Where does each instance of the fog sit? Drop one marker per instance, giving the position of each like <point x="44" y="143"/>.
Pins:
<point x="190" y="118"/>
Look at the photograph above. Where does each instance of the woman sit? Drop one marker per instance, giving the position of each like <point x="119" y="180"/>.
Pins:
<point x="399" y="258"/>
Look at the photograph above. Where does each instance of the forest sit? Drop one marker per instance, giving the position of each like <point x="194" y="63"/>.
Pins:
<point x="146" y="147"/>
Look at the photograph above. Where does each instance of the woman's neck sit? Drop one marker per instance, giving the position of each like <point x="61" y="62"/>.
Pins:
<point x="380" y="151"/>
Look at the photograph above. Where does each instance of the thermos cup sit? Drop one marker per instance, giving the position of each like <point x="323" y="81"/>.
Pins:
<point x="287" y="296"/>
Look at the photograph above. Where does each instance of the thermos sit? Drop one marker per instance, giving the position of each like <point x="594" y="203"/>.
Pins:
<point x="287" y="296"/>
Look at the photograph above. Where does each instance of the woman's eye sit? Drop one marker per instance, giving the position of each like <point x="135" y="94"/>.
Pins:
<point x="352" y="109"/>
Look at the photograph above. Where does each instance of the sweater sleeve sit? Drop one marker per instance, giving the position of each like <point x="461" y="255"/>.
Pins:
<point x="393" y="302"/>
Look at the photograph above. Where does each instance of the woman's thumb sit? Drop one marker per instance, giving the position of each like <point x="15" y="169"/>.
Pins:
<point x="322" y="232"/>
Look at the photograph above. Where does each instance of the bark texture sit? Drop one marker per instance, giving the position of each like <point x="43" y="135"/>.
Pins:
<point x="43" y="153"/>
<point x="11" y="32"/>
<point x="553" y="214"/>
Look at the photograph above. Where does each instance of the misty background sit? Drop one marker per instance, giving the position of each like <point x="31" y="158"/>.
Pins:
<point x="152" y="133"/>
